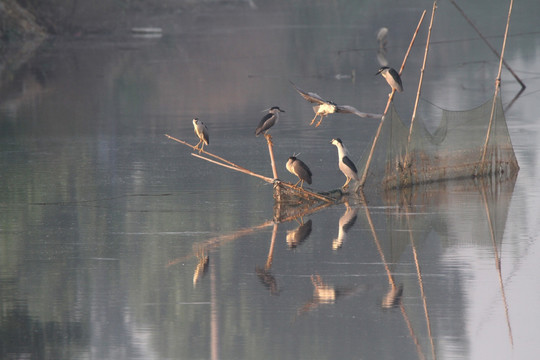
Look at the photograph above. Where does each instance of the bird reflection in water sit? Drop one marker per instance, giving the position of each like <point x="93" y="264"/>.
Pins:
<point x="324" y="293"/>
<point x="393" y="297"/>
<point x="297" y="236"/>
<point x="346" y="222"/>
<point x="267" y="279"/>
<point x="202" y="266"/>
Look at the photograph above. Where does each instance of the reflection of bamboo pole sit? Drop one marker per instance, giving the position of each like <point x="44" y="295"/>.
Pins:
<point x="497" y="260"/>
<point x="421" y="76"/>
<point x="220" y="240"/>
<point x="390" y="97"/>
<point x="497" y="88"/>
<point x="214" y="316"/>
<point x="391" y="280"/>
<point x="422" y="293"/>
<point x="271" y="250"/>
<point x="489" y="45"/>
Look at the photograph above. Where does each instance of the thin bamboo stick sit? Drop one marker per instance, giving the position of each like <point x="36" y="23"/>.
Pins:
<point x="489" y="45"/>
<point x="420" y="81"/>
<point x="378" y="133"/>
<point x="497" y="88"/>
<point x="271" y="152"/>
<point x="204" y="151"/>
<point x="237" y="168"/>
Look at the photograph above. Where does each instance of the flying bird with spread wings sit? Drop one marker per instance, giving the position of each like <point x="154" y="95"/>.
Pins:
<point x="326" y="107"/>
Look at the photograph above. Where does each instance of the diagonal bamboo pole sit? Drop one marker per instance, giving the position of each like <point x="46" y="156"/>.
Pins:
<point x="497" y="88"/>
<point x="390" y="97"/>
<point x="489" y="45"/>
<point x="421" y="78"/>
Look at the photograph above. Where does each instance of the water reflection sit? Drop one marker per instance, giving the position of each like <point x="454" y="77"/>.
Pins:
<point x="118" y="244"/>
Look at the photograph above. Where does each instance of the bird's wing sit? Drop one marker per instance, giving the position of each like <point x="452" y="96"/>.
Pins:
<point x="262" y="124"/>
<point x="309" y="96"/>
<point x="347" y="109"/>
<point x="349" y="163"/>
<point x="303" y="171"/>
<point x="396" y="77"/>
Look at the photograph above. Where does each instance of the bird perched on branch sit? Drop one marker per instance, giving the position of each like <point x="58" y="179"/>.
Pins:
<point x="392" y="78"/>
<point x="299" y="168"/>
<point x="346" y="165"/>
<point x="202" y="133"/>
<point x="326" y="107"/>
<point x="268" y="120"/>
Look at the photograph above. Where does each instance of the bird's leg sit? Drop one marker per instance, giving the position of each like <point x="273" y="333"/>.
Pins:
<point x="295" y="185"/>
<point x="346" y="183"/>
<point x="302" y="184"/>
<point x="312" y="121"/>
<point x="320" y="121"/>
<point x="196" y="147"/>
<point x="268" y="137"/>
<point x="202" y="147"/>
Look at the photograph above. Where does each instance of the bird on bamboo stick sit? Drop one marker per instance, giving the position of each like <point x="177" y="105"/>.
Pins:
<point x="392" y="78"/>
<point x="346" y="165"/>
<point x="326" y="107"/>
<point x="299" y="168"/>
<point x="202" y="133"/>
<point x="268" y="120"/>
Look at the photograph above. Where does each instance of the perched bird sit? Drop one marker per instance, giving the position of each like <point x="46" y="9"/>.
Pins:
<point x="392" y="77"/>
<point x="346" y="165"/>
<point x="325" y="107"/>
<point x="299" y="168"/>
<point x="268" y="120"/>
<point x="202" y="133"/>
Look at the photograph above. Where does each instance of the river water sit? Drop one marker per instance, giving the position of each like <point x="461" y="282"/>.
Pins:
<point x="105" y="223"/>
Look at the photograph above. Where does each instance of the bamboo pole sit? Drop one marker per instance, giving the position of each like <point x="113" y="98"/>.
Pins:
<point x="271" y="152"/>
<point x="497" y="88"/>
<point x="489" y="45"/>
<point x="421" y="78"/>
<point x="390" y="97"/>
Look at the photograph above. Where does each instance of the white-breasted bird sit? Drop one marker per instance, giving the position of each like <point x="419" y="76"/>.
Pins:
<point x="392" y="77"/>
<point x="268" y="120"/>
<point x="326" y="107"/>
<point x="299" y="168"/>
<point x="346" y="165"/>
<point x="202" y="133"/>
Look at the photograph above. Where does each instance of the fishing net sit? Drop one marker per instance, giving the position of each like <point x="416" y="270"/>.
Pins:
<point x="453" y="151"/>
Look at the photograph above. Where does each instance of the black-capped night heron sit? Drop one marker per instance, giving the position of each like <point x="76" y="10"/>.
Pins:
<point x="392" y="78"/>
<point x="346" y="165"/>
<point x="299" y="168"/>
<point x="202" y="133"/>
<point x="268" y="120"/>
<point x="326" y="107"/>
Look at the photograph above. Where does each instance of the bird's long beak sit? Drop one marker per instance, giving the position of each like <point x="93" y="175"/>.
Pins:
<point x="281" y="110"/>
<point x="378" y="72"/>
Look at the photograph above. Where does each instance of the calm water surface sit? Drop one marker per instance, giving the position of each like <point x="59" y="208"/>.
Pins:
<point x="104" y="220"/>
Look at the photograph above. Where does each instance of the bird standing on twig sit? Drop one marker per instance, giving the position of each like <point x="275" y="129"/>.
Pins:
<point x="268" y="120"/>
<point x="202" y="133"/>
<point x="392" y="78"/>
<point x="299" y="168"/>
